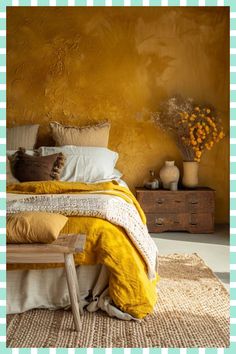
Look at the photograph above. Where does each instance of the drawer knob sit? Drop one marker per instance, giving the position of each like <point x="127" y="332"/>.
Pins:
<point x="193" y="202"/>
<point x="160" y="201"/>
<point x="159" y="221"/>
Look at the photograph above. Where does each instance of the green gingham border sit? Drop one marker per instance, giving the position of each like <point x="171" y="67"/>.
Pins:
<point x="3" y="4"/>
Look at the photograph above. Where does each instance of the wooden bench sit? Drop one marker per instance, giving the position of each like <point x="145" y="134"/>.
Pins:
<point x="59" y="251"/>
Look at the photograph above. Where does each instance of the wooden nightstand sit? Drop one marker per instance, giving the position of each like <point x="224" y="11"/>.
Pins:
<point x="182" y="210"/>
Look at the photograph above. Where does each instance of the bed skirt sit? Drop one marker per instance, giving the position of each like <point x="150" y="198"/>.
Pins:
<point x="47" y="288"/>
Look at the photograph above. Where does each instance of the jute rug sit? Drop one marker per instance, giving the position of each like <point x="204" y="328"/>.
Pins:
<point x="193" y="311"/>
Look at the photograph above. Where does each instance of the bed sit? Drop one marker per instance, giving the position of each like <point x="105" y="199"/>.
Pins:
<point x="120" y="260"/>
<point x="117" y="272"/>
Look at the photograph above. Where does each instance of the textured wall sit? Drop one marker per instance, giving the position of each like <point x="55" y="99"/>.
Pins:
<point x="84" y="64"/>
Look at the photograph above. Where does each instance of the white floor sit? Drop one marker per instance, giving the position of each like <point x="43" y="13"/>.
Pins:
<point x="213" y="248"/>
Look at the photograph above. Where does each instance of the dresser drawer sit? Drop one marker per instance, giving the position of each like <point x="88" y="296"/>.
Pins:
<point x="192" y="222"/>
<point x="200" y="202"/>
<point x="164" y="222"/>
<point x="200" y="222"/>
<point x="152" y="202"/>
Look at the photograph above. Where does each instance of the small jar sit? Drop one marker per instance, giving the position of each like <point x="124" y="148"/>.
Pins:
<point x="153" y="182"/>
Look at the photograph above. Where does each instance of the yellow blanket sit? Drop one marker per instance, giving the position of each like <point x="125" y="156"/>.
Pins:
<point x="107" y="244"/>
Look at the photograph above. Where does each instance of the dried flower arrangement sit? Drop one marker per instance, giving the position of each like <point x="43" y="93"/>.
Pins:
<point x="195" y="127"/>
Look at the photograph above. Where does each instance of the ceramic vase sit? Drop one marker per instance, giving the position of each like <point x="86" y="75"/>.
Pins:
<point x="169" y="173"/>
<point x="190" y="174"/>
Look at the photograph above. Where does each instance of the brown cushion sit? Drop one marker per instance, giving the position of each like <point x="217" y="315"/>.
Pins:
<point x="24" y="135"/>
<point x="91" y="135"/>
<point x="10" y="178"/>
<point x="28" y="168"/>
<point x="29" y="227"/>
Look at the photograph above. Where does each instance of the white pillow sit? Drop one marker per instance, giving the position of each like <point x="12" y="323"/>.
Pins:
<point x="84" y="164"/>
<point x="28" y="152"/>
<point x="116" y="174"/>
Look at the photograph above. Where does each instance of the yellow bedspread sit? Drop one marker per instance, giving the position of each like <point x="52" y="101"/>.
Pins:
<point x="108" y="244"/>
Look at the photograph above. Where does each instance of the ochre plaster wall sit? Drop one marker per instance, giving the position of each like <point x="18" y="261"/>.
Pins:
<point x="76" y="65"/>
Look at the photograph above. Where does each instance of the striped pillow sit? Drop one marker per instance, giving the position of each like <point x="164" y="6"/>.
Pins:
<point x="23" y="135"/>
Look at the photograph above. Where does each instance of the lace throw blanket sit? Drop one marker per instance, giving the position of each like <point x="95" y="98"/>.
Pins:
<point x="112" y="209"/>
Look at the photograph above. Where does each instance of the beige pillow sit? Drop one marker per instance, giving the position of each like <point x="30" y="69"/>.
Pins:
<point x="90" y="135"/>
<point x="23" y="135"/>
<point x="33" y="227"/>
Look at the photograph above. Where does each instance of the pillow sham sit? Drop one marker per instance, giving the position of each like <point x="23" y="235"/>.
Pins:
<point x="90" y="135"/>
<point x="84" y="164"/>
<point x="27" y="168"/>
<point x="30" y="227"/>
<point x="23" y="135"/>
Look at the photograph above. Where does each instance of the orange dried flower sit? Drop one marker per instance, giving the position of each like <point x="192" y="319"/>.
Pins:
<point x="195" y="127"/>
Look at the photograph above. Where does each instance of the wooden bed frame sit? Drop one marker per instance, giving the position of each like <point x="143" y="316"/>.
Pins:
<point x="59" y="251"/>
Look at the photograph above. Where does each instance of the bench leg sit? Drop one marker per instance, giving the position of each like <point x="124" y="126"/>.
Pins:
<point x="73" y="288"/>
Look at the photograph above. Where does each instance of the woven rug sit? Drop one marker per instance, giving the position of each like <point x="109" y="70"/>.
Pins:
<point x="192" y="311"/>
